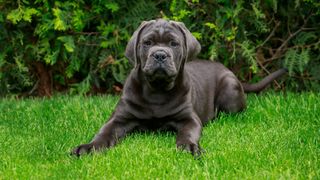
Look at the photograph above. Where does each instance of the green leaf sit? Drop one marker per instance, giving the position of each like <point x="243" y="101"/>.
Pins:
<point x="77" y="20"/>
<point x="2" y="58"/>
<point x="304" y="59"/>
<point x="114" y="7"/>
<point x="305" y="37"/>
<point x="68" y="42"/>
<point x="108" y="43"/>
<point x="197" y="35"/>
<point x="173" y="6"/>
<point x="211" y="25"/>
<point x="257" y="11"/>
<point x="213" y="52"/>
<point x="290" y="60"/>
<point x="106" y="29"/>
<point x="20" y="64"/>
<point x="272" y="4"/>
<point x="248" y="51"/>
<point x="85" y="85"/>
<point x="75" y="63"/>
<point x="296" y="61"/>
<point x="15" y="16"/>
<point x="51" y="58"/>
<point x="181" y="14"/>
<point x="120" y="70"/>
<point x="21" y="13"/>
<point x="59" y="23"/>
<point x="43" y="47"/>
<point x="28" y="13"/>
<point x="69" y="71"/>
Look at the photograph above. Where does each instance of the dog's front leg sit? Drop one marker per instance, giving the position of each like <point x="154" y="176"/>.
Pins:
<point x="189" y="132"/>
<point x="108" y="136"/>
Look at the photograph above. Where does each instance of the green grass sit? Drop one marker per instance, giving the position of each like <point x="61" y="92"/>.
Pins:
<point x="278" y="136"/>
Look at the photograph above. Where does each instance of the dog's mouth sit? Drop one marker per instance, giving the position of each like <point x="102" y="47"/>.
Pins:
<point x="159" y="73"/>
<point x="160" y="78"/>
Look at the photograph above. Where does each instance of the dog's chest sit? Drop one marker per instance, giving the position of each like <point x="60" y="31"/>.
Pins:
<point x="149" y="108"/>
<point x="165" y="123"/>
<point x="155" y="112"/>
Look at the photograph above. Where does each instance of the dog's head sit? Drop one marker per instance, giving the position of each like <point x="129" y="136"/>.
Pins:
<point x="160" y="48"/>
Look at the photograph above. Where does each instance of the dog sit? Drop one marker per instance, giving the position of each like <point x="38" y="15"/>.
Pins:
<point x="169" y="88"/>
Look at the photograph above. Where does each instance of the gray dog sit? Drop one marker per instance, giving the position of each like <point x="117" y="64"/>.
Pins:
<point x="168" y="88"/>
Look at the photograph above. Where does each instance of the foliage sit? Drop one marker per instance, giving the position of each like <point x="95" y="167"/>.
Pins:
<point x="80" y="44"/>
<point x="254" y="38"/>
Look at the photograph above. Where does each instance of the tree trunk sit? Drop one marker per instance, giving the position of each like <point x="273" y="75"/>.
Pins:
<point x="44" y="84"/>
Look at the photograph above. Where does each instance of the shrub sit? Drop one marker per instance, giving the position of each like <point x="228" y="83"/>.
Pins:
<point x="254" y="38"/>
<point x="78" y="46"/>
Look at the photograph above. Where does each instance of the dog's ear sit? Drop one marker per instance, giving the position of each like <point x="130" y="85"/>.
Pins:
<point x="191" y="43"/>
<point x="132" y="46"/>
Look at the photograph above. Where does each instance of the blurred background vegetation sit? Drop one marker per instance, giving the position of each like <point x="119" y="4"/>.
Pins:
<point x="77" y="46"/>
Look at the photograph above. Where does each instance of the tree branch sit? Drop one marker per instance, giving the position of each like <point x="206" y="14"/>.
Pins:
<point x="271" y="34"/>
<point x="279" y="51"/>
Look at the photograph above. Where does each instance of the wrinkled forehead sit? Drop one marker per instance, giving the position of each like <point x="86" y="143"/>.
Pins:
<point x="161" y="29"/>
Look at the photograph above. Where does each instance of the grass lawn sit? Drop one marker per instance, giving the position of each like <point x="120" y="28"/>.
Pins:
<point x="278" y="136"/>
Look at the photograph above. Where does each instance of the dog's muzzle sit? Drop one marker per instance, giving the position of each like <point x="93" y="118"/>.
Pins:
<point x="159" y="69"/>
<point x="159" y="66"/>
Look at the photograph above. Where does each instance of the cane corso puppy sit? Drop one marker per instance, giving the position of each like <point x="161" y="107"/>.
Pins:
<point x="168" y="88"/>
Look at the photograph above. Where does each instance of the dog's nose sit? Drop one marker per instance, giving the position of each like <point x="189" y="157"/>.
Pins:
<point x="160" y="56"/>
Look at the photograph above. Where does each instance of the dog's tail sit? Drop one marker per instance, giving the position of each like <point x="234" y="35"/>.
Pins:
<point x="259" y="86"/>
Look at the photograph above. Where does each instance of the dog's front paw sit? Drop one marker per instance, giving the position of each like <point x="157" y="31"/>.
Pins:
<point x="192" y="148"/>
<point x="94" y="146"/>
<point x="82" y="149"/>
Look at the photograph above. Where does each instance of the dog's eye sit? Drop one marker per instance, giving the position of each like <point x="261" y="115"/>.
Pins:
<point x="147" y="43"/>
<point x="174" y="44"/>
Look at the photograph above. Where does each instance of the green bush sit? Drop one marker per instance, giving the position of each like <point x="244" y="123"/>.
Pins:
<point x="254" y="38"/>
<point x="78" y="46"/>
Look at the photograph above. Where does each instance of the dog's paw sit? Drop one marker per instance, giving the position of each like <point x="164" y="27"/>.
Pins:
<point x="192" y="148"/>
<point x="82" y="149"/>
